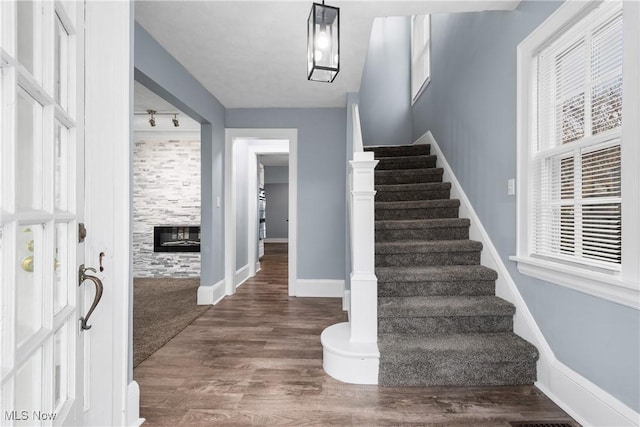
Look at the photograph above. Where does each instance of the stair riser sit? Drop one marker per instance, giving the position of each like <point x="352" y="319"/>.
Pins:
<point x="402" y="196"/>
<point x="418" y="162"/>
<point x="413" y="150"/>
<point x="409" y="289"/>
<point x="451" y="233"/>
<point x="424" y="326"/>
<point x="421" y="177"/>
<point x="456" y="373"/>
<point x="420" y="213"/>
<point x="427" y="259"/>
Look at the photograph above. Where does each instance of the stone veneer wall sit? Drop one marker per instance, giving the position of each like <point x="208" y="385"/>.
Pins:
<point x="166" y="191"/>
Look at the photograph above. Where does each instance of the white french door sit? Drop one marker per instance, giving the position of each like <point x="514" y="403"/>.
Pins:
<point x="41" y="169"/>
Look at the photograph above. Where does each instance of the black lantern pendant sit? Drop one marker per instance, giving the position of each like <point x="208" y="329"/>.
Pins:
<point x="323" y="43"/>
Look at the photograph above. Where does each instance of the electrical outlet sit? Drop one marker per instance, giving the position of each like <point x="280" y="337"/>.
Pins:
<point x="511" y="187"/>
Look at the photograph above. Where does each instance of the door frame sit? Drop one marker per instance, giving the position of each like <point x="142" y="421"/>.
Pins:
<point x="231" y="135"/>
<point x="109" y="30"/>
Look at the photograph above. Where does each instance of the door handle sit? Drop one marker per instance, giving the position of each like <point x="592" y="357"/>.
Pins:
<point x="82" y="277"/>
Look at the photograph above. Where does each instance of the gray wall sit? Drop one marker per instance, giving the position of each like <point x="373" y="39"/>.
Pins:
<point x="156" y="69"/>
<point x="470" y="108"/>
<point x="385" y="92"/>
<point x="276" y="174"/>
<point x="277" y="212"/>
<point x="321" y="182"/>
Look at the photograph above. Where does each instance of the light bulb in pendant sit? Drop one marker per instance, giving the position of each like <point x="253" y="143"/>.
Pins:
<point x="323" y="40"/>
<point x="318" y="55"/>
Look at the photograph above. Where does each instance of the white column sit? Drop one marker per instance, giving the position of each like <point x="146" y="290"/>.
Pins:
<point x="364" y="283"/>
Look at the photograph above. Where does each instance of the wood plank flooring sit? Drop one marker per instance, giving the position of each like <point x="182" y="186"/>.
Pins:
<point x="256" y="359"/>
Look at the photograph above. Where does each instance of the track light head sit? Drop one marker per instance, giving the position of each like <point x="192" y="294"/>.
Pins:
<point x="152" y="120"/>
<point x="175" y="121"/>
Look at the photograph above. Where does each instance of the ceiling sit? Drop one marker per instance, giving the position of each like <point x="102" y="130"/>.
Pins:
<point x="144" y="99"/>
<point x="252" y="54"/>
<point x="279" y="159"/>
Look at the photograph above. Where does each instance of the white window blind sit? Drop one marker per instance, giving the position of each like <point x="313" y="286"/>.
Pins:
<point x="420" y="54"/>
<point x="575" y="181"/>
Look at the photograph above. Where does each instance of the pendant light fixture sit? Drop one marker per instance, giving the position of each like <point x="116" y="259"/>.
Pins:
<point x="323" y="43"/>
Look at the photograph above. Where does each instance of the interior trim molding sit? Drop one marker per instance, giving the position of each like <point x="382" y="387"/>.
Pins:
<point x="276" y="240"/>
<point x="211" y="295"/>
<point x="346" y="302"/>
<point x="321" y="288"/>
<point x="579" y="397"/>
<point x="242" y="275"/>
<point x="133" y="405"/>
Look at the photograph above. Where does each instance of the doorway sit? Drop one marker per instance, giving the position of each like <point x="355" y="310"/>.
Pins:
<point x="248" y="144"/>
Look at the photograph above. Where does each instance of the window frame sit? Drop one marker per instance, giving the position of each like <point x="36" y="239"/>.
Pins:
<point x="423" y="50"/>
<point x="621" y="287"/>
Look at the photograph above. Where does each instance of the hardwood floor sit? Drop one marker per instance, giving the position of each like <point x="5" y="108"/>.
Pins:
<point x="256" y="359"/>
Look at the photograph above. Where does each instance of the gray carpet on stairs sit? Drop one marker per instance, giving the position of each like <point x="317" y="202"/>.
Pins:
<point x="439" y="321"/>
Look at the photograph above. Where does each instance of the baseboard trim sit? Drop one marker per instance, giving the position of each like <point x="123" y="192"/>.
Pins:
<point x="320" y="288"/>
<point x="211" y="295"/>
<point x="276" y="240"/>
<point x="258" y="267"/>
<point x="579" y="397"/>
<point x="583" y="400"/>
<point x="133" y="405"/>
<point x="241" y="276"/>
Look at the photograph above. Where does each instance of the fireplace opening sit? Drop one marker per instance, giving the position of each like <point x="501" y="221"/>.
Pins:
<point x="176" y="238"/>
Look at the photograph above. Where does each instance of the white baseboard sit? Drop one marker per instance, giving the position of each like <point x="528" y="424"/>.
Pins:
<point x="319" y="288"/>
<point x="242" y="275"/>
<point x="258" y="267"/>
<point x="583" y="400"/>
<point x="211" y="295"/>
<point x="276" y="240"/>
<point x="132" y="416"/>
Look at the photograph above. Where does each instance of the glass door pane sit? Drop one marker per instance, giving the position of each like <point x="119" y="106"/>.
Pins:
<point x="29" y="282"/>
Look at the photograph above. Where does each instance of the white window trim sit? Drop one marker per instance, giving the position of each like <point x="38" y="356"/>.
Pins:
<point x="424" y="50"/>
<point x="622" y="288"/>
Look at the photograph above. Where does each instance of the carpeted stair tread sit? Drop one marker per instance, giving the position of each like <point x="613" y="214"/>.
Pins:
<point x="422" y="229"/>
<point x="482" y="359"/>
<point x="408" y="176"/>
<point x="444" y="306"/>
<point x="418" y="204"/>
<point x="485" y="347"/>
<point x="406" y="162"/>
<point x="408" y="192"/>
<point x="399" y="150"/>
<point x="436" y="273"/>
<point x="420" y="186"/>
<point x="422" y="223"/>
<point x="409" y="246"/>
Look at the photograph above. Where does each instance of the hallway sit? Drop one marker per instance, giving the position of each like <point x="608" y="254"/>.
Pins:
<point x="256" y="359"/>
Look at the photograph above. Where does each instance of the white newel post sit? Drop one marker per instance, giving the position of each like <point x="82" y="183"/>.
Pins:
<point x="364" y="283"/>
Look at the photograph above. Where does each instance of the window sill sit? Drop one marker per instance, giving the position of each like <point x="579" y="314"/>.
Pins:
<point x="610" y="288"/>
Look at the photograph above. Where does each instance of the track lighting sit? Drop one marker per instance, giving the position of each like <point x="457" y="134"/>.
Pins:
<point x="175" y="120"/>
<point x="152" y="120"/>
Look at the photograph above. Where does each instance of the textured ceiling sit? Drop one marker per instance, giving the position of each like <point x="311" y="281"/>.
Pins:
<point x="252" y="54"/>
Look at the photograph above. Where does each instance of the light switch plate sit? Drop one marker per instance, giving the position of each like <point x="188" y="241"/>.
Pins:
<point x="511" y="186"/>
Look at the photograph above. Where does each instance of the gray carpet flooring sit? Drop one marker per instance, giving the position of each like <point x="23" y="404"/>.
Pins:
<point x="439" y="320"/>
<point x="162" y="307"/>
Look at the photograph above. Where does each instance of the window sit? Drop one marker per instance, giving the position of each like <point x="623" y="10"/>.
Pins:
<point x="578" y="212"/>
<point x="420" y="54"/>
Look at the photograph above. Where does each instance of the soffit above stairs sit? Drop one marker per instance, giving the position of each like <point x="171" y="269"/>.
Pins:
<point x="251" y="54"/>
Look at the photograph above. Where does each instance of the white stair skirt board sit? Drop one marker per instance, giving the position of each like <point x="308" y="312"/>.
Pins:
<point x="319" y="288"/>
<point x="579" y="397"/>
<point x="242" y="276"/>
<point x="354" y="363"/>
<point x="133" y="405"/>
<point x="211" y="295"/>
<point x="276" y="240"/>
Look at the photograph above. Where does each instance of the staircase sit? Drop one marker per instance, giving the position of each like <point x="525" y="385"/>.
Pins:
<point x="439" y="321"/>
